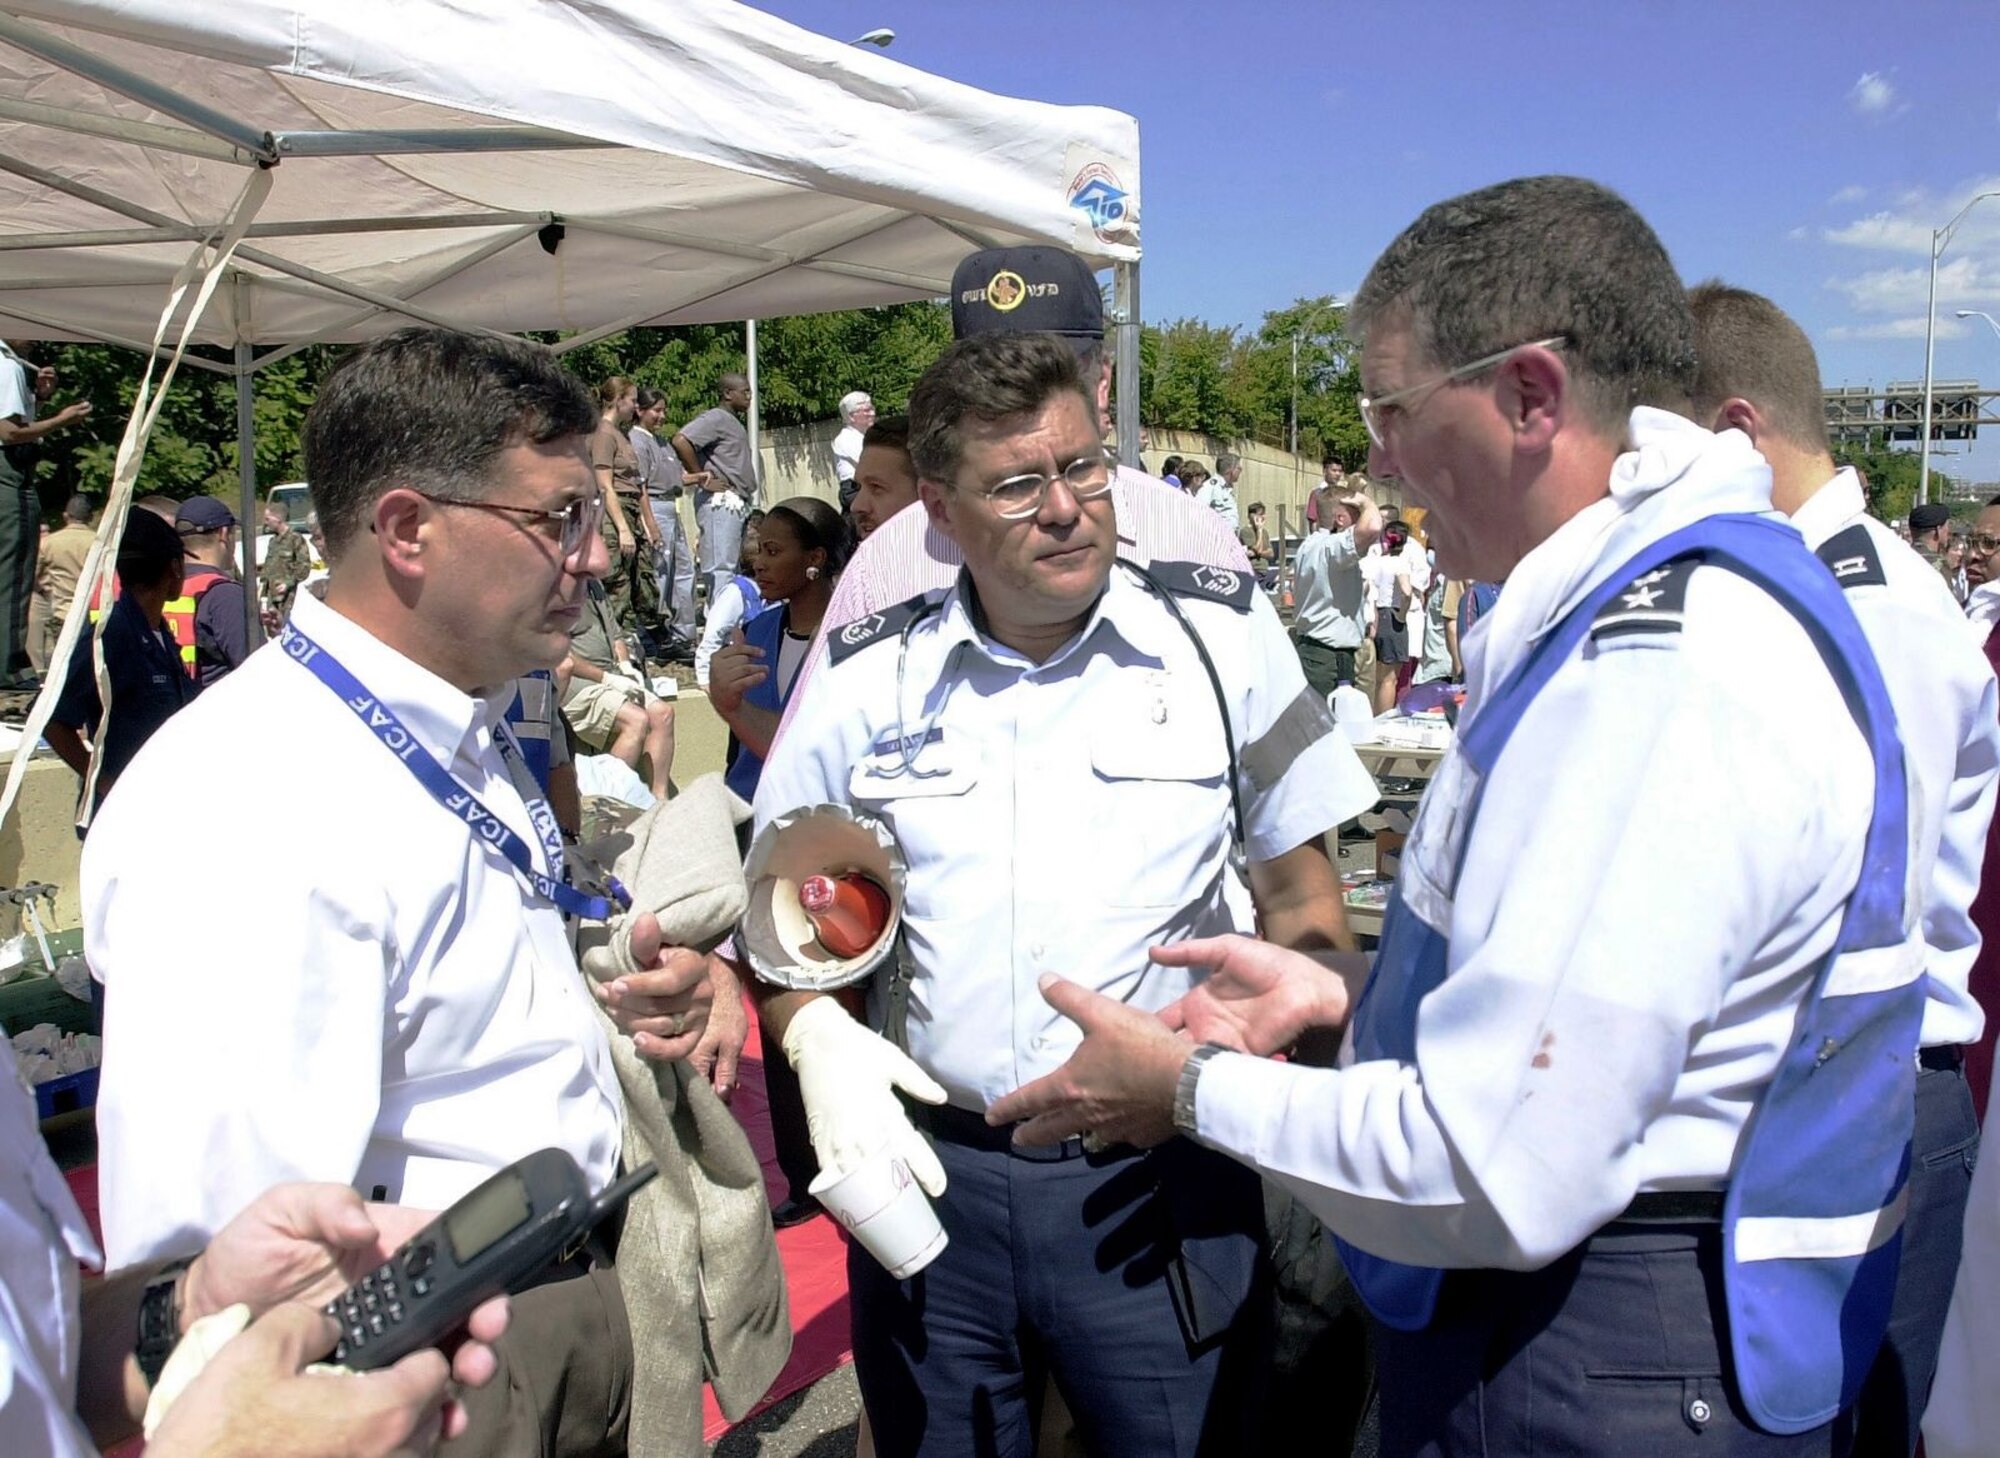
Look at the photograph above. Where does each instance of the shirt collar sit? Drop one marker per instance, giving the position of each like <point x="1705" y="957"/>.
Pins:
<point x="1124" y="608"/>
<point x="443" y="717"/>
<point x="1831" y="507"/>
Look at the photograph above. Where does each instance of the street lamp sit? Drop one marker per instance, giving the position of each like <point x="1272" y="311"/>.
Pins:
<point x="1991" y="322"/>
<point x="1940" y="240"/>
<point x="880" y="36"/>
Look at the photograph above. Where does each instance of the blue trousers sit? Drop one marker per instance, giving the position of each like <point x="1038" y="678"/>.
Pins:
<point x="1134" y="1279"/>
<point x="1619" y="1348"/>
<point x="1891" y="1406"/>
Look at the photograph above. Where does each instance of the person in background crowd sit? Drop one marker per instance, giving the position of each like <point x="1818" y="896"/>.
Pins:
<point x="714" y="451"/>
<point x="23" y="389"/>
<point x="1332" y="599"/>
<point x="405" y="1002"/>
<point x="629" y="528"/>
<point x="1397" y="578"/>
<point x="1068" y="720"/>
<point x="288" y="562"/>
<point x="1982" y="572"/>
<point x="1439" y="660"/>
<point x="857" y="413"/>
<point x="1930" y="532"/>
<point x="207" y="617"/>
<point x="801" y="547"/>
<point x="1193" y="477"/>
<point x="661" y="477"/>
<point x="1170" y="471"/>
<point x="738" y="604"/>
<point x="316" y="583"/>
<point x="61" y="565"/>
<point x="1257" y="543"/>
<point x="1954" y="568"/>
<point x="609" y="703"/>
<point x="1598" y="1003"/>
<point x="149" y="682"/>
<point x="885" y="481"/>
<point x="1758" y="374"/>
<point x="1218" y="492"/>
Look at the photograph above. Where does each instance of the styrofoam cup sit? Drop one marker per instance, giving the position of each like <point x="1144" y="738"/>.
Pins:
<point x="880" y="1204"/>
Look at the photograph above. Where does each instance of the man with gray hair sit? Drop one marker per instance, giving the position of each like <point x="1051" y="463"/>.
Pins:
<point x="857" y="413"/>
<point x="1617" y="1141"/>
<point x="1219" y="494"/>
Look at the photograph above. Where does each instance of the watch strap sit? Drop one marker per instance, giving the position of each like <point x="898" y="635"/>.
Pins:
<point x="160" y="1320"/>
<point x="1184" y="1087"/>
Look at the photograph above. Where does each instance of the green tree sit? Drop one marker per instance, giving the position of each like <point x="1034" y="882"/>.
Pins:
<point x="1890" y="479"/>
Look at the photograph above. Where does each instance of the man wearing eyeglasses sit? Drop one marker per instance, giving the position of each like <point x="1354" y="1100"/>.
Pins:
<point x="392" y="1003"/>
<point x="1062" y="747"/>
<point x="1617" y="1144"/>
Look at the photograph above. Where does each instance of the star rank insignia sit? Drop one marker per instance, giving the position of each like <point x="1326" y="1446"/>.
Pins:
<point x="1652" y="603"/>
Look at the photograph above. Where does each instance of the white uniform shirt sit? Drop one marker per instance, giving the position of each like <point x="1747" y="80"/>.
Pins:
<point x="1659" y="869"/>
<point x="1948" y="714"/>
<point x="17" y="388"/>
<point x="847" y="452"/>
<point x="1069" y="815"/>
<point x="1963" y="1419"/>
<point x="1219" y="497"/>
<point x="382" y="1002"/>
<point x="42" y="1237"/>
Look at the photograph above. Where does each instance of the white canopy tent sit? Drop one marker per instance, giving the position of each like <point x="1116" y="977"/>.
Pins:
<point x="576" y="165"/>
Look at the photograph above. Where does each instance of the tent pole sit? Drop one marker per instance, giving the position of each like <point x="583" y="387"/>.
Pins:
<point x="246" y="474"/>
<point x="756" y="411"/>
<point x="1125" y="358"/>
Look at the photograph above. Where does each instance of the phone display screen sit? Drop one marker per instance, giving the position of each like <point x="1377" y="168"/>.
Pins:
<point x="487" y="1214"/>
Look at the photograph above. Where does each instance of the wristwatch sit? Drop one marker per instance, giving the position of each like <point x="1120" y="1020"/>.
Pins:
<point x="160" y="1320"/>
<point x="1184" y="1087"/>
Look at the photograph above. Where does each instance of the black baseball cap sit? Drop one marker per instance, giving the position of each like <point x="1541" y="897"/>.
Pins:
<point x="1929" y="516"/>
<point x="1027" y="290"/>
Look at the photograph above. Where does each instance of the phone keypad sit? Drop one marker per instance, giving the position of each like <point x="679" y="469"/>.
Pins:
<point x="374" y="1304"/>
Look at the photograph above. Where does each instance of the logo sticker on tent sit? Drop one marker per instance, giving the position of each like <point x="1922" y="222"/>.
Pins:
<point x="1097" y="192"/>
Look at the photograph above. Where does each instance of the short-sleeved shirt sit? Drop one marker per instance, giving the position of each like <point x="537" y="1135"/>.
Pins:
<point x="593" y="635"/>
<point x="17" y="388"/>
<point x="1332" y="596"/>
<point x="1064" y="816"/>
<point x="659" y="468"/>
<point x="148" y="687"/>
<point x="610" y="450"/>
<point x="847" y="452"/>
<point x="723" y="446"/>
<point x="221" y="637"/>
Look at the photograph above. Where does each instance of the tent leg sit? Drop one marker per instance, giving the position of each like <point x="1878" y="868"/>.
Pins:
<point x="1125" y="359"/>
<point x="246" y="474"/>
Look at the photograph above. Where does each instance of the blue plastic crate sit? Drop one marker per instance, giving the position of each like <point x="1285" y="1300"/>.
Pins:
<point x="67" y="1094"/>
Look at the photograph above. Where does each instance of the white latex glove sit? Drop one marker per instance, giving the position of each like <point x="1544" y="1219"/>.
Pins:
<point x="847" y="1079"/>
<point x="732" y="502"/>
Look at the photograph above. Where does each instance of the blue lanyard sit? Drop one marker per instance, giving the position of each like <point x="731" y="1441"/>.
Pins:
<point x="383" y="722"/>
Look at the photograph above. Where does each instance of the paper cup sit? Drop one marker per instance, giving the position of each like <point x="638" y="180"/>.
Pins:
<point x="880" y="1204"/>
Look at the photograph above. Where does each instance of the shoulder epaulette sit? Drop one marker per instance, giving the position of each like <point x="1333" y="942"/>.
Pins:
<point x="1852" y="559"/>
<point x="1202" y="579"/>
<point x="1654" y="602"/>
<point x="843" y="642"/>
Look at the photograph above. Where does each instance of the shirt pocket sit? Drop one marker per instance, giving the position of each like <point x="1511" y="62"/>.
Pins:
<point x="1160" y="809"/>
<point x="929" y="809"/>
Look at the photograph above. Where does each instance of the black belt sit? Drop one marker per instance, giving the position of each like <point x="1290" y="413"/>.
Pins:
<point x="1672" y="1207"/>
<point x="1947" y="1059"/>
<point x="964" y="1127"/>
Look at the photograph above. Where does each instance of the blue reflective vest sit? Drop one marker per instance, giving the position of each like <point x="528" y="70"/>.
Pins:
<point x="1812" y="1221"/>
<point x="766" y="631"/>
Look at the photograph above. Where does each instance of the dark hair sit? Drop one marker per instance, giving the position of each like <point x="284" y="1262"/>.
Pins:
<point x="148" y="550"/>
<point x="1226" y="462"/>
<point x="730" y="381"/>
<point x="1747" y="348"/>
<point x="987" y="377"/>
<point x="1536" y="258"/>
<point x="430" y="409"/>
<point x="813" y="524"/>
<point x="892" y="431"/>
<point x="1193" y="472"/>
<point x="1255" y="507"/>
<point x="649" y="397"/>
<point x="752" y="521"/>
<point x="611" y="388"/>
<point x="79" y="508"/>
<point x="1330" y="459"/>
<point x="1170" y="465"/>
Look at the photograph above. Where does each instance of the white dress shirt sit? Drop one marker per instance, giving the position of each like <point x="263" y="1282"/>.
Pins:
<point x="1948" y="714"/>
<point x="1658" y="870"/>
<point x="42" y="1237"/>
<point x="381" y="1003"/>
<point x="1067" y="815"/>
<point x="847" y="452"/>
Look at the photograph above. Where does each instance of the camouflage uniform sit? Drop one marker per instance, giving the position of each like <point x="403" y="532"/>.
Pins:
<point x="286" y="565"/>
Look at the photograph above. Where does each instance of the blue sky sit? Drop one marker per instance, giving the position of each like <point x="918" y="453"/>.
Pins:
<point x="1802" y="148"/>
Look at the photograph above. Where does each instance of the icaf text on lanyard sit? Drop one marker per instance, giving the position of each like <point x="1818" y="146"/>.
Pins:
<point x="384" y="723"/>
